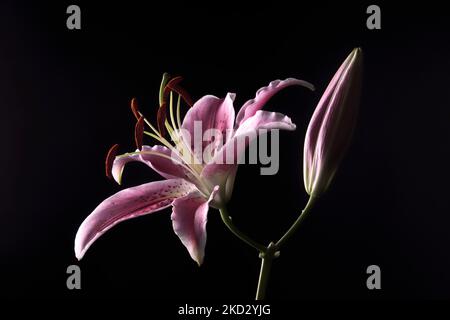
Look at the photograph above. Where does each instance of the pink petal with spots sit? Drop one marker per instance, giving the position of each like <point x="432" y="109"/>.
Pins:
<point x="189" y="217"/>
<point x="169" y="168"/>
<point x="119" y="164"/>
<point x="207" y="113"/>
<point x="127" y="204"/>
<point x="222" y="169"/>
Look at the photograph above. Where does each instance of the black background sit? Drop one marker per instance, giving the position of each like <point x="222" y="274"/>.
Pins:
<point x="64" y="99"/>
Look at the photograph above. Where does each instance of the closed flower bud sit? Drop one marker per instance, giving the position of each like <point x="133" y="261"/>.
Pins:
<point x="331" y="126"/>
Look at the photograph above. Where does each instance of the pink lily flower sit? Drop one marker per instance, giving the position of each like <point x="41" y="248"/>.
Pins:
<point x="190" y="187"/>
<point x="331" y="126"/>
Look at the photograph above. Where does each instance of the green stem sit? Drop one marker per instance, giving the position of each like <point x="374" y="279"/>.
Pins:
<point x="297" y="222"/>
<point x="267" y="254"/>
<point x="227" y="221"/>
<point x="266" y="264"/>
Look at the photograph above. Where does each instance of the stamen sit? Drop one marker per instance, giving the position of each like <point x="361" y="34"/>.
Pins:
<point x="161" y="118"/>
<point x="151" y="127"/>
<point x="170" y="84"/>
<point x="172" y="133"/>
<point x="160" y="139"/>
<point x="172" y="119"/>
<point x="173" y="85"/>
<point x="134" y="108"/>
<point x="183" y="93"/>
<point x="178" y="112"/>
<point x="138" y="115"/>
<point x="139" y="132"/>
<point x="162" y="113"/>
<point x="164" y="80"/>
<point x="111" y="155"/>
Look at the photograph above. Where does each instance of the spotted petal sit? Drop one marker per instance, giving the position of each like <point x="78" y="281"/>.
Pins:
<point x="189" y="219"/>
<point x="211" y="113"/>
<point x="127" y="204"/>
<point x="222" y="169"/>
<point x="159" y="158"/>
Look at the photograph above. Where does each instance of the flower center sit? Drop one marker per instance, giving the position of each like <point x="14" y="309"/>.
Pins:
<point x="168" y="122"/>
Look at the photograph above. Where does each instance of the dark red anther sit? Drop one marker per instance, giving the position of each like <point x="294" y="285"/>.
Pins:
<point x="134" y="108"/>
<point x="139" y="132"/>
<point x="161" y="119"/>
<point x="172" y="82"/>
<point x="110" y="160"/>
<point x="183" y="93"/>
<point x="173" y="85"/>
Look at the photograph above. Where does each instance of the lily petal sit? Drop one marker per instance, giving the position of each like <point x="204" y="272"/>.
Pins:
<point x="119" y="164"/>
<point x="127" y="204"/>
<point x="265" y="120"/>
<point x="212" y="113"/>
<point x="250" y="129"/>
<point x="264" y="94"/>
<point x="189" y="217"/>
<point x="168" y="167"/>
<point x="222" y="169"/>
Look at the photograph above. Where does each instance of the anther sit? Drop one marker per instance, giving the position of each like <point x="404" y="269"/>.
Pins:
<point x="161" y="119"/>
<point x="111" y="155"/>
<point x="139" y="132"/>
<point x="134" y="108"/>
<point x="173" y="85"/>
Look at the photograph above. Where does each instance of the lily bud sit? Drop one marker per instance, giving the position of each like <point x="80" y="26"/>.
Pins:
<point x="331" y="126"/>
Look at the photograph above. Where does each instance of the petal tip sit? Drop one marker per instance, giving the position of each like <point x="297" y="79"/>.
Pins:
<point x="79" y="256"/>
<point x="79" y="251"/>
<point x="118" y="176"/>
<point x="199" y="261"/>
<point x="232" y="96"/>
